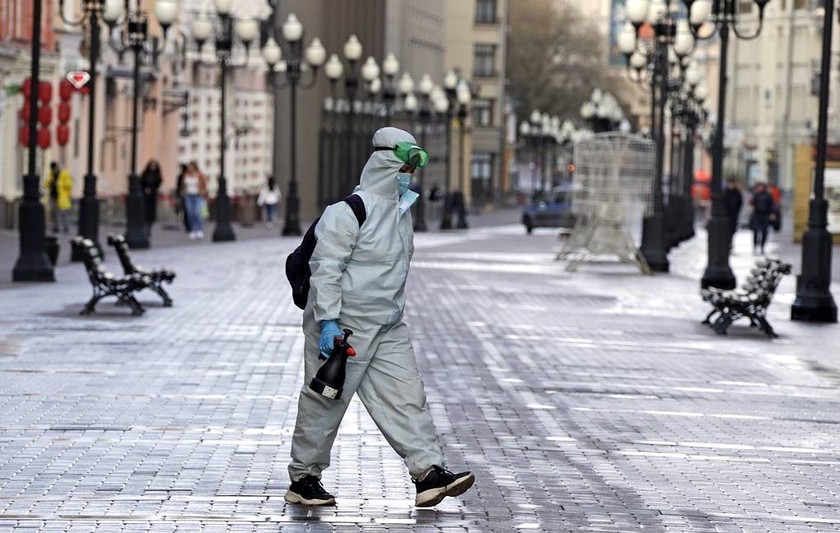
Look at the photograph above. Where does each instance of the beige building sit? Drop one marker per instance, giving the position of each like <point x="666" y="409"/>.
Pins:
<point x="475" y="47"/>
<point x="772" y="95"/>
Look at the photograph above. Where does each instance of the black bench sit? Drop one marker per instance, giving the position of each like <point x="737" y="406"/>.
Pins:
<point x="750" y="301"/>
<point x="158" y="277"/>
<point x="104" y="283"/>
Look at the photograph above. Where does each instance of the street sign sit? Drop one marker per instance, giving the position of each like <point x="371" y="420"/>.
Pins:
<point x="78" y="78"/>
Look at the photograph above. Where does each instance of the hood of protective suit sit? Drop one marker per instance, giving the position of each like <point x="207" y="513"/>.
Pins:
<point x="379" y="177"/>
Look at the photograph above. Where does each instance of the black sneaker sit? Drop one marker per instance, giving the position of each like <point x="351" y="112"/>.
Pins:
<point x="440" y="483"/>
<point x="309" y="491"/>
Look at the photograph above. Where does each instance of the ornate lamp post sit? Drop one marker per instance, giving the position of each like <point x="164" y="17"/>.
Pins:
<point x="92" y="12"/>
<point x="667" y="33"/>
<point x="602" y="111"/>
<point x="463" y="94"/>
<point x="329" y="166"/>
<point x="352" y="52"/>
<point x="314" y="55"/>
<point x="222" y="30"/>
<point x="134" y="37"/>
<point x="425" y="88"/>
<point x="723" y="15"/>
<point x="33" y="263"/>
<point x="450" y="82"/>
<point x="814" y="302"/>
<point x="390" y="67"/>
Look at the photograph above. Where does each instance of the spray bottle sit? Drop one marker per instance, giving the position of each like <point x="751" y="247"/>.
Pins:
<point x="329" y="380"/>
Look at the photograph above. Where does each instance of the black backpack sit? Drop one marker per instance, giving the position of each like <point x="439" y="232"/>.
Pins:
<point x="297" y="264"/>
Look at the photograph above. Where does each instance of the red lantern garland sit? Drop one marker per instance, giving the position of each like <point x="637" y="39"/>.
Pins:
<point x="44" y="138"/>
<point x="44" y="115"/>
<point x="62" y="134"/>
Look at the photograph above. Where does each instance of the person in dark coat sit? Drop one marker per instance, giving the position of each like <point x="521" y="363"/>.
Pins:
<point x="182" y="207"/>
<point x="764" y="210"/>
<point x="150" y="181"/>
<point x="733" y="200"/>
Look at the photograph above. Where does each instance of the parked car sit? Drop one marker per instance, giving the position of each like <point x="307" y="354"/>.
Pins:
<point x="551" y="209"/>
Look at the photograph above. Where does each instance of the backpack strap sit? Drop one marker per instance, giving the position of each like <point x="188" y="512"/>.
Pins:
<point x="358" y="206"/>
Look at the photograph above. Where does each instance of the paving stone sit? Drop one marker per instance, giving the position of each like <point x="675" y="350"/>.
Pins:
<point x="592" y="401"/>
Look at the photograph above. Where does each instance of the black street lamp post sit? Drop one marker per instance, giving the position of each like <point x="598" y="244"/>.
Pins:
<point x="390" y="68"/>
<point x="425" y="88"/>
<point x="602" y="111"/>
<point x="93" y="10"/>
<point x="225" y="30"/>
<point x="668" y="35"/>
<point x="352" y="52"/>
<point x="314" y="55"/>
<point x="724" y="17"/>
<point x="33" y="263"/>
<point x="136" y="30"/>
<point x="814" y="302"/>
<point x="464" y="96"/>
<point x="450" y="83"/>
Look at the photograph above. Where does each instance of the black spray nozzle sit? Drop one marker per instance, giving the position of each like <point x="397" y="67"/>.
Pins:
<point x="341" y="346"/>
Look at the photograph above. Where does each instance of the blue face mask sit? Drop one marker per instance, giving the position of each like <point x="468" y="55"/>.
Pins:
<point x="403" y="180"/>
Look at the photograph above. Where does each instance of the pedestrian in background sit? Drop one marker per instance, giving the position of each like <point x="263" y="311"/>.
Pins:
<point x="358" y="282"/>
<point x="269" y="198"/>
<point x="150" y="181"/>
<point x="733" y="201"/>
<point x="59" y="187"/>
<point x="180" y="207"/>
<point x="194" y="191"/>
<point x="764" y="211"/>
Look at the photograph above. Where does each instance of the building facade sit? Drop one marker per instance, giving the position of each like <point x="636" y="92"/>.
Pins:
<point x="773" y="91"/>
<point x="476" y="32"/>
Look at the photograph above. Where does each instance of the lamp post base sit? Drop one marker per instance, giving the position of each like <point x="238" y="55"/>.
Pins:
<point x="291" y="227"/>
<point x="814" y="302"/>
<point x="653" y="240"/>
<point x="223" y="231"/>
<point x="33" y="263"/>
<point x="88" y="219"/>
<point x="135" y="231"/>
<point x="814" y="306"/>
<point x="718" y="273"/>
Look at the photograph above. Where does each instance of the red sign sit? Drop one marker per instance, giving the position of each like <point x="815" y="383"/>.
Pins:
<point x="78" y="78"/>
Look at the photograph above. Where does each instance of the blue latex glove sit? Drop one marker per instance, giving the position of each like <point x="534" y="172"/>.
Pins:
<point x="329" y="331"/>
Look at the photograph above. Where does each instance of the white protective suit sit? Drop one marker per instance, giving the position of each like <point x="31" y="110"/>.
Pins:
<point x="358" y="278"/>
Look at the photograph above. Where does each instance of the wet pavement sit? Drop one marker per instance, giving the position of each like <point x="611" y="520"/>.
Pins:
<point x="586" y="401"/>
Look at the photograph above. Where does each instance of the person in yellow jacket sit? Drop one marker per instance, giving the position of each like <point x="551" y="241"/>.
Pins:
<point x="59" y="187"/>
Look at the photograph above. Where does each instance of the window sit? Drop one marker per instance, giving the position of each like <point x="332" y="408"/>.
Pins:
<point x="482" y="111"/>
<point x="485" y="11"/>
<point x="485" y="60"/>
<point x="482" y="166"/>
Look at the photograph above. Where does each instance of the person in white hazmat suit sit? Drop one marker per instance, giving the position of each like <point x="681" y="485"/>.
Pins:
<point x="358" y="282"/>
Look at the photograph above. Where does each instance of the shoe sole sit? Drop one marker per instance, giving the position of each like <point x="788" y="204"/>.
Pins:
<point x="432" y="497"/>
<point x="294" y="497"/>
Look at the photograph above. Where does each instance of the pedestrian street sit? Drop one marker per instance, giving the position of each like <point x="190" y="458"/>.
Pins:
<point x="586" y="401"/>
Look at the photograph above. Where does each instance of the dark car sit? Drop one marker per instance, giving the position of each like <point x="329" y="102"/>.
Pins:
<point x="551" y="209"/>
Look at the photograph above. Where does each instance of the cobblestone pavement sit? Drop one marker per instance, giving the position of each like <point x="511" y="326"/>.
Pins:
<point x="593" y="401"/>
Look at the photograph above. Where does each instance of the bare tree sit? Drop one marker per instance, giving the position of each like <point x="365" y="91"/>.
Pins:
<point x="554" y="58"/>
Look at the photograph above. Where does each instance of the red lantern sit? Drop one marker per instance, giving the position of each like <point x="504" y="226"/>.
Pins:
<point x="62" y="134"/>
<point x="65" y="90"/>
<point x="26" y="87"/>
<point x="44" y="138"/>
<point x="24" y="112"/>
<point x="23" y="136"/>
<point x="64" y="112"/>
<point x="45" y="115"/>
<point x="45" y="91"/>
